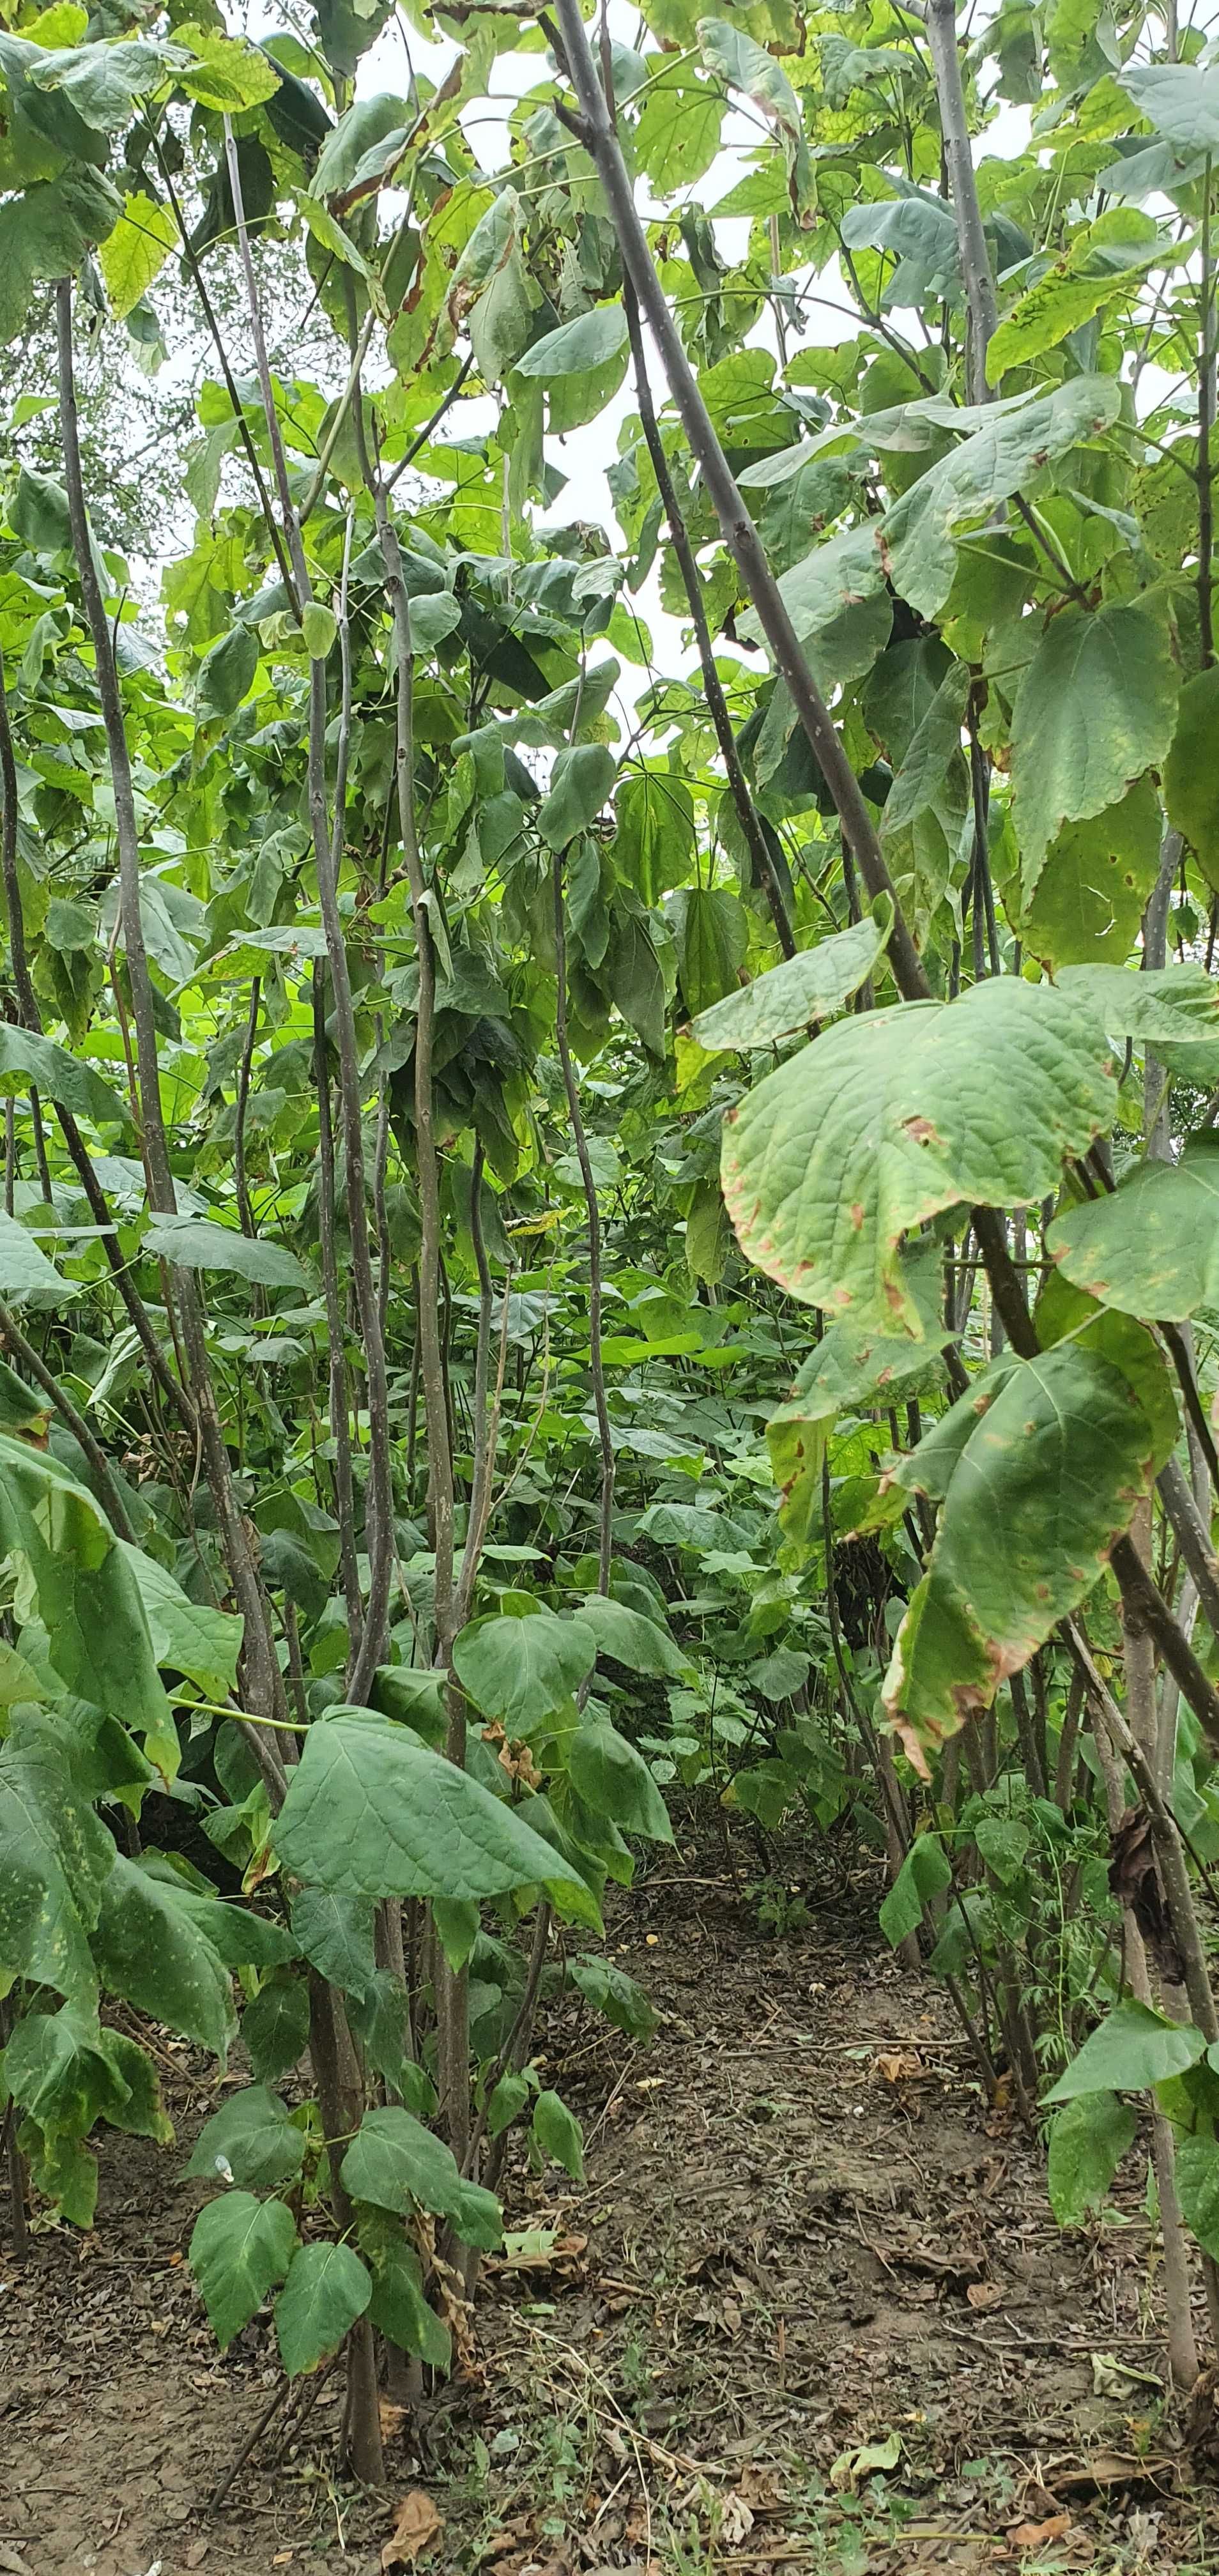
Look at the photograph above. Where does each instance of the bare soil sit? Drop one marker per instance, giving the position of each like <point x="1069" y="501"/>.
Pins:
<point x="801" y="2239"/>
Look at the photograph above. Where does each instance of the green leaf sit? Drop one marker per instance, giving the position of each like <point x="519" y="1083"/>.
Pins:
<point x="810" y="986"/>
<point x="558" y="2134"/>
<point x="434" y="615"/>
<point x="1106" y="259"/>
<point x="1095" y="707"/>
<point x="1161" y="1004"/>
<point x="609" y="1990"/>
<point x="187" y="1636"/>
<point x="399" y="2309"/>
<point x="492" y="291"/>
<point x="336" y="1937"/>
<point x="102" y="81"/>
<point x="655" y="844"/>
<point x="1197" y="2167"/>
<point x="920" y="781"/>
<point x="54" y="1861"/>
<point x="849" y="1369"/>
<point x="677" y="136"/>
<point x="60" y="1076"/>
<point x="39" y="512"/>
<point x="748" y="67"/>
<point x="1150" y="1247"/>
<point x="202" y="1243"/>
<point x="275" y="2028"/>
<point x="1191" y="775"/>
<point x="1089" y="893"/>
<point x="1002" y="455"/>
<point x="327" y="2288"/>
<point x="712" y="939"/>
<point x="1087" y="2143"/>
<point x="924" y="1873"/>
<point x="1132" y="2050"/>
<point x="319" y="627"/>
<point x="136" y="251"/>
<point x="87" y="1595"/>
<point x="639" y="1643"/>
<point x="614" y="1780"/>
<point x="25" y="1271"/>
<point x="372" y="1812"/>
<point x="226" y="673"/>
<point x="590" y="341"/>
<point x="1181" y="100"/>
<point x="394" y="2163"/>
<point x="231" y="74"/>
<point x="249" y="2140"/>
<point x="239" y="2249"/>
<point x="153" y="1951"/>
<point x="579" y="784"/>
<point x="871" y="1130"/>
<point x="521" y="1670"/>
<point x="46" y="233"/>
<point x="1040" y="1468"/>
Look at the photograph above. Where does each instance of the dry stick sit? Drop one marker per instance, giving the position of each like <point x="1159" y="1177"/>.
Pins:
<point x="244" y="1210"/>
<point x="452" y="1999"/>
<point x="596" y="1363"/>
<point x="340" y="1404"/>
<point x="596" y="133"/>
<point x="326" y="853"/>
<point x="264" y="1681"/>
<point x="941" y="23"/>
<point x="1206" y="423"/>
<point x="109" y="1496"/>
<point x="717" y="705"/>
<point x="1141" y="1720"/>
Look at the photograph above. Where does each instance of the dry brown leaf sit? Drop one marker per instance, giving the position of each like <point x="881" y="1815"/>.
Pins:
<point x="1037" y="2535"/>
<point x="417" y="2528"/>
<point x="984" y="2294"/>
<point x="392" y="2418"/>
<point x="736" y="2523"/>
<point x="897" y="2064"/>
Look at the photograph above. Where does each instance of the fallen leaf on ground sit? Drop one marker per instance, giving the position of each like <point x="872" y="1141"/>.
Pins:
<point x="851" y="2466"/>
<point x="736" y="2522"/>
<point x="418" y="2526"/>
<point x="1037" y="2535"/>
<point x="984" y="2294"/>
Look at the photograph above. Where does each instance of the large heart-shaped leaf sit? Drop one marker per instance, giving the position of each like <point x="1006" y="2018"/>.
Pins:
<point x="1133" y="2049"/>
<point x="521" y="1670"/>
<point x="199" y="1243"/>
<point x="249" y="2140"/>
<point x="1096" y="706"/>
<point x="1011" y="445"/>
<point x="1039" y="1469"/>
<point x="155" y="1952"/>
<point x="370" y="1811"/>
<point x="885" y="1120"/>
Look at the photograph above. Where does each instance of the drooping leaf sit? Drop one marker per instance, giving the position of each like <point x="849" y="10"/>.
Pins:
<point x="396" y="2164"/>
<point x="924" y="1873"/>
<point x="226" y="673"/>
<point x="1197" y="2169"/>
<point x="1039" y="1469"/>
<point x="327" y="2288"/>
<point x="580" y="782"/>
<point x="370" y="1811"/>
<point x="86" y="1593"/>
<point x="873" y="1128"/>
<point x="558" y="2134"/>
<point x="25" y="1271"/>
<point x="239" y="2250"/>
<point x="1191" y="784"/>
<point x="1161" y="1004"/>
<point x="187" y="1636"/>
<point x="154" y="1952"/>
<point x="1181" y="100"/>
<point x="1086" y="897"/>
<point x="136" y="251"/>
<point x="61" y="1076"/>
<point x="613" y="1779"/>
<point x="1150" y="1247"/>
<point x="275" y="2028"/>
<point x="1088" y="2140"/>
<point x="1096" y="706"/>
<point x="47" y="231"/>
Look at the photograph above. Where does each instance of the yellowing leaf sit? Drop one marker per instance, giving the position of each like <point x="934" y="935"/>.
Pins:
<point x="136" y="251"/>
<point x="231" y="74"/>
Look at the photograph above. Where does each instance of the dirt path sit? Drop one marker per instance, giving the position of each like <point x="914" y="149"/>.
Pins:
<point x="800" y="2240"/>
